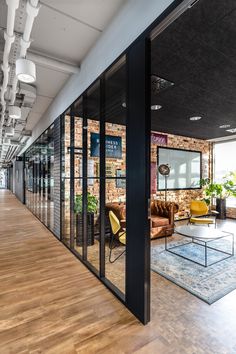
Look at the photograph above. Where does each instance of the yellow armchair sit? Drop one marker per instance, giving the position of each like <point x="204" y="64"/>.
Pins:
<point x="118" y="234"/>
<point x="200" y="214"/>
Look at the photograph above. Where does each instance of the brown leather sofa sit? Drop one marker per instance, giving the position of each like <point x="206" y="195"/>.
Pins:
<point x="119" y="211"/>
<point x="162" y="216"/>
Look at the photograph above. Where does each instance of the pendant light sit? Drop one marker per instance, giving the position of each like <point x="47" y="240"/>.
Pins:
<point x="25" y="70"/>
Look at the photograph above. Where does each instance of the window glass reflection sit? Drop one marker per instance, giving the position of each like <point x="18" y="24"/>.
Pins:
<point x="39" y="178"/>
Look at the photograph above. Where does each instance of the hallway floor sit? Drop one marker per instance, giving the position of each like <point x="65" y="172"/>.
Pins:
<point x="50" y="303"/>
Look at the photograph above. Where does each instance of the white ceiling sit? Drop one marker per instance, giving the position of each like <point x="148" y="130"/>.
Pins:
<point x="62" y="36"/>
<point x="96" y="13"/>
<point x="65" y="31"/>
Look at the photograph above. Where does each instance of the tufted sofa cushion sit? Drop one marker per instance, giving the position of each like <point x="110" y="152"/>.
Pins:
<point x="117" y="208"/>
<point x="162" y="218"/>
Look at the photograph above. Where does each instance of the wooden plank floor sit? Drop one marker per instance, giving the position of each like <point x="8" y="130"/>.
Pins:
<point x="50" y="303"/>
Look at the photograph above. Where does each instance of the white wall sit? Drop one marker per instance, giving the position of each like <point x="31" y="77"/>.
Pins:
<point x="134" y="17"/>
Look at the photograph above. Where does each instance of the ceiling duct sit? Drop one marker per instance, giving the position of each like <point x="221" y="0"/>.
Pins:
<point x="26" y="94"/>
<point x="9" y="40"/>
<point x="29" y="93"/>
<point x="32" y="9"/>
<point x="15" y="143"/>
<point x="10" y="131"/>
<point x="14" y="112"/>
<point x="6" y="141"/>
<point x="26" y="133"/>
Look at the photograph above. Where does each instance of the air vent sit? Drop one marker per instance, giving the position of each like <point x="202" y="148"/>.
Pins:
<point x="159" y="84"/>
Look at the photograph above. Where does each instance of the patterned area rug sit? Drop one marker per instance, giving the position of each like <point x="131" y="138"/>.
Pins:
<point x="208" y="283"/>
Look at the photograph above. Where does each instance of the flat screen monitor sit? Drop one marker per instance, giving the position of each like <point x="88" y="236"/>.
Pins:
<point x="185" y="168"/>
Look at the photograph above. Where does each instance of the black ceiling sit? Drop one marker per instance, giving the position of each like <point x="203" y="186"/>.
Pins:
<point x="198" y="53"/>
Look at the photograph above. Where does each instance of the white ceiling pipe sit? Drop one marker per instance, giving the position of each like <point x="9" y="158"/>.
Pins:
<point x="52" y="63"/>
<point x="13" y="91"/>
<point x="5" y="69"/>
<point x="9" y="39"/>
<point x="32" y="9"/>
<point x="11" y="12"/>
<point x="7" y="48"/>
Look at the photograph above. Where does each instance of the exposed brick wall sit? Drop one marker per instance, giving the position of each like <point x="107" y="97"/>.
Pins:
<point x="112" y="192"/>
<point x="184" y="197"/>
<point x="231" y="213"/>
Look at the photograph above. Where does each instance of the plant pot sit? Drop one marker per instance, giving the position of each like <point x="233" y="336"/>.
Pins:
<point x="79" y="229"/>
<point x="221" y="208"/>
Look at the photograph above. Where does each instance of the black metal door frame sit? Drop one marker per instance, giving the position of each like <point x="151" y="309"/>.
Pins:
<point x="137" y="297"/>
<point x="138" y="180"/>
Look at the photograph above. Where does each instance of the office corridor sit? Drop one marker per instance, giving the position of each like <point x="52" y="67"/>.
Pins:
<point x="50" y="303"/>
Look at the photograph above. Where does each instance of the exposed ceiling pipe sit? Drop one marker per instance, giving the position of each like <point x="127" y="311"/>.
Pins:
<point x="13" y="152"/>
<point x="8" y="152"/>
<point x="53" y="64"/>
<point x="32" y="9"/>
<point x="29" y="93"/>
<point x="9" y="39"/>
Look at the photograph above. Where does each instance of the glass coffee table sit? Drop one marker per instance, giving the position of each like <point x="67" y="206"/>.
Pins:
<point x="202" y="236"/>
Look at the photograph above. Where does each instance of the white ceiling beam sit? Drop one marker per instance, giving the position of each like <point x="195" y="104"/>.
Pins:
<point x="53" y="64"/>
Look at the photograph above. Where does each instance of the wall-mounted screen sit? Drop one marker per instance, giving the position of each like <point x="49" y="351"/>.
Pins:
<point x="185" y="168"/>
<point x="113" y="146"/>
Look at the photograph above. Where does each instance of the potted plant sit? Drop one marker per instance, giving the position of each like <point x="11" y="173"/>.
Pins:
<point x="220" y="191"/>
<point x="92" y="204"/>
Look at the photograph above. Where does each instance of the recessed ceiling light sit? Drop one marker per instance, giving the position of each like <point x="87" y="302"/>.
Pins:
<point x="195" y="118"/>
<point x="231" y="130"/>
<point x="155" y="107"/>
<point x="224" y="126"/>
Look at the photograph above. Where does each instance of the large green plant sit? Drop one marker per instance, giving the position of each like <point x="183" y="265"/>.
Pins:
<point x="219" y="190"/>
<point x="92" y="203"/>
<point x="229" y="184"/>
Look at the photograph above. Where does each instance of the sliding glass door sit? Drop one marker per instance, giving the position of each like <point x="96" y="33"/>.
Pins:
<point x="104" y="139"/>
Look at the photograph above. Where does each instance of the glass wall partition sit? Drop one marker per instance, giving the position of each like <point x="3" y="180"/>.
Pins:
<point x="76" y="179"/>
<point x="39" y="178"/>
<point x="93" y="177"/>
<point x="65" y="177"/>
<point x="115" y="171"/>
<point x="99" y="203"/>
